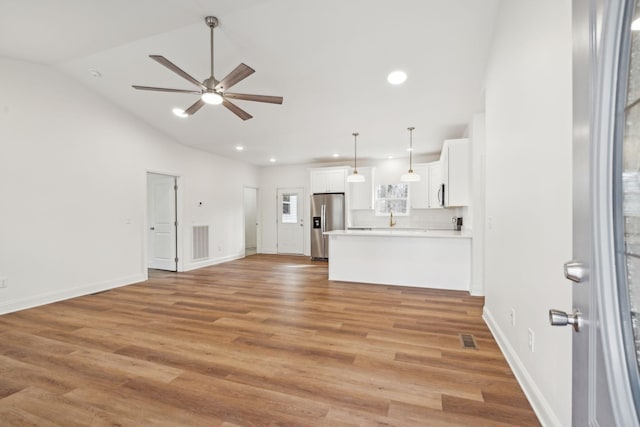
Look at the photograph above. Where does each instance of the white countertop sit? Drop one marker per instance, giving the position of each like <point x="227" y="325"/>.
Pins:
<point x="398" y="232"/>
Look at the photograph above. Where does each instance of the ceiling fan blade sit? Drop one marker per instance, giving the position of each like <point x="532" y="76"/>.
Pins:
<point x="239" y="73"/>
<point x="164" y="89"/>
<point x="258" y="98"/>
<point x="173" y="67"/>
<point x="237" y="110"/>
<point x="195" y="107"/>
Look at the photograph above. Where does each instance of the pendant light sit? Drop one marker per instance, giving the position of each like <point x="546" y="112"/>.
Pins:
<point x="355" y="177"/>
<point x="410" y="176"/>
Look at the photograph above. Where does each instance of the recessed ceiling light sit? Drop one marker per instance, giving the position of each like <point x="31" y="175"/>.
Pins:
<point x="179" y="112"/>
<point x="635" y="25"/>
<point x="336" y="155"/>
<point x="95" y="73"/>
<point x="239" y="147"/>
<point x="397" y="77"/>
<point x="389" y="157"/>
<point x="272" y="160"/>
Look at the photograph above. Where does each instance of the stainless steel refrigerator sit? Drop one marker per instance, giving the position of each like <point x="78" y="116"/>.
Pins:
<point x="327" y="214"/>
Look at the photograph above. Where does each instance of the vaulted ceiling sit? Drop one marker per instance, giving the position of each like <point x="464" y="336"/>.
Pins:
<point x="329" y="60"/>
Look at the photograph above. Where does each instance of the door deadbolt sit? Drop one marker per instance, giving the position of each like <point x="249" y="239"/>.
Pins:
<point x="575" y="271"/>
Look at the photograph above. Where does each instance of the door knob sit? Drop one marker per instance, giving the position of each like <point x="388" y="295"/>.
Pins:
<point x="562" y="318"/>
<point x="152" y="228"/>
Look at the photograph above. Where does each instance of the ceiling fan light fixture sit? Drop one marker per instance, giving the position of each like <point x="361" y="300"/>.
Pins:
<point x="212" y="98"/>
<point x="410" y="176"/>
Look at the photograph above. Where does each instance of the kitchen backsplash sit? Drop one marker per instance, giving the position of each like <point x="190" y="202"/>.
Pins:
<point x="419" y="218"/>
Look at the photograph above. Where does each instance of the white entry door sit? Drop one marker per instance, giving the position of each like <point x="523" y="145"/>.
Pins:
<point x="162" y="221"/>
<point x="606" y="216"/>
<point x="290" y="221"/>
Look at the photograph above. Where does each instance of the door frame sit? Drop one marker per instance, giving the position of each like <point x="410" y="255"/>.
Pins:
<point x="179" y="220"/>
<point x="302" y="215"/>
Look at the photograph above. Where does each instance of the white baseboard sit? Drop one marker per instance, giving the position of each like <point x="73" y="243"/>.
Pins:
<point x="78" y="291"/>
<point x="537" y="400"/>
<point x="209" y="262"/>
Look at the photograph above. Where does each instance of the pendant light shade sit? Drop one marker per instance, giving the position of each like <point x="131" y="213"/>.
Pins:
<point x="355" y="177"/>
<point x="410" y="176"/>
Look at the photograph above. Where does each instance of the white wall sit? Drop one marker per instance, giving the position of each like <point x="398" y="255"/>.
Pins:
<point x="475" y="214"/>
<point x="528" y="196"/>
<point x="73" y="189"/>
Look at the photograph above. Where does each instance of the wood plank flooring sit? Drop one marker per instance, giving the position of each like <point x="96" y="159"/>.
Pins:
<point x="262" y="341"/>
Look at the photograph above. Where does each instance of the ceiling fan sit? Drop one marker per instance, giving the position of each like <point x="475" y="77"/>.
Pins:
<point x="213" y="91"/>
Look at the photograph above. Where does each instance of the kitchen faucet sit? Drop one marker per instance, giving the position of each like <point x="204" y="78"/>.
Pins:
<point x="391" y="221"/>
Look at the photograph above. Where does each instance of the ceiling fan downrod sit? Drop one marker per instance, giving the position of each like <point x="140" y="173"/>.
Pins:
<point x="212" y="22"/>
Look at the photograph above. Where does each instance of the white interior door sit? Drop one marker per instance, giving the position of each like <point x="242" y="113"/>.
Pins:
<point x="162" y="222"/>
<point x="290" y="221"/>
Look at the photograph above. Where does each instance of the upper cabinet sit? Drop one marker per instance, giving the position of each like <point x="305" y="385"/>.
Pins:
<point x="361" y="193"/>
<point x="425" y="194"/>
<point x="328" y="180"/>
<point x="455" y="161"/>
<point x="435" y="185"/>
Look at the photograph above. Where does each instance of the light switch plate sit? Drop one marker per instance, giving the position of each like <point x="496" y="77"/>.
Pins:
<point x="3" y="282"/>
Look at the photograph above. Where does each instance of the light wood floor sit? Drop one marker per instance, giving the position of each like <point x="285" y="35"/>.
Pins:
<point x="262" y="341"/>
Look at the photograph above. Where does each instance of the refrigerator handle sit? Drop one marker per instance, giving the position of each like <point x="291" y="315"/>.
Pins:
<point x="322" y="217"/>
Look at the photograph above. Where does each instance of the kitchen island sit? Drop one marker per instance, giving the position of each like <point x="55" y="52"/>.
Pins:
<point x="421" y="258"/>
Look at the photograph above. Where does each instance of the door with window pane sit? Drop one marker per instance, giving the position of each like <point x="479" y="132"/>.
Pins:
<point x="605" y="270"/>
<point x="290" y="221"/>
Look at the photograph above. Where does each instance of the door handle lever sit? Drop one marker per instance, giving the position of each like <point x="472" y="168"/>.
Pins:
<point x="152" y="228"/>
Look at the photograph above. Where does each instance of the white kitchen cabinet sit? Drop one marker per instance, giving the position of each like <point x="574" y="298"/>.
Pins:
<point x="455" y="161"/>
<point x="425" y="193"/>
<point x="361" y="193"/>
<point x="435" y="185"/>
<point x="328" y="180"/>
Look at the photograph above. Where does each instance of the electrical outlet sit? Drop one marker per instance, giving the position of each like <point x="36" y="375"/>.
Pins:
<point x="490" y="222"/>
<point x="512" y="317"/>
<point x="4" y="282"/>
<point x="531" y="340"/>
